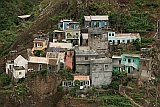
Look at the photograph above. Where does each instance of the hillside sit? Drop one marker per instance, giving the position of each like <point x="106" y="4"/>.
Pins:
<point x="125" y="16"/>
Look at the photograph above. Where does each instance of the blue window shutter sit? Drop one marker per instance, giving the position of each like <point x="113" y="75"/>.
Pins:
<point x="95" y="23"/>
<point x="75" y="26"/>
<point x="105" y="23"/>
<point x="100" y="24"/>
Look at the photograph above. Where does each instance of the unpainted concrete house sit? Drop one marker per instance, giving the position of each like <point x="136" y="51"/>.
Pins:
<point x="99" y="43"/>
<point x="101" y="71"/>
<point x="83" y="58"/>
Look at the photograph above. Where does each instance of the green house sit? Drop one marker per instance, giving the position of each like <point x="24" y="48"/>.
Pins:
<point x="127" y="62"/>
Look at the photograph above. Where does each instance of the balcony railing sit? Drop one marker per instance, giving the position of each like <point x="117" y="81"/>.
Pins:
<point x="131" y="64"/>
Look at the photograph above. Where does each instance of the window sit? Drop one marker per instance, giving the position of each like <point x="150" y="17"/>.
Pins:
<point x="128" y="41"/>
<point x="20" y="73"/>
<point x="124" y="59"/>
<point x="40" y="67"/>
<point x="112" y="34"/>
<point x="109" y="34"/>
<point x="118" y="41"/>
<point x="86" y="58"/>
<point x="129" y="60"/>
<point x="134" y="60"/>
<point x="39" y="45"/>
<point x="50" y="68"/>
<point x="76" y="33"/>
<point x="10" y="67"/>
<point x="123" y="41"/>
<point x="87" y="82"/>
<point x="105" y="67"/>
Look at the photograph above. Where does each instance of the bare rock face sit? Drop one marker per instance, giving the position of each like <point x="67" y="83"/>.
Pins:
<point x="43" y="85"/>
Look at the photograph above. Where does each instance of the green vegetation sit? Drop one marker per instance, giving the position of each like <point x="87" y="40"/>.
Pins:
<point x="114" y="101"/>
<point x="21" y="90"/>
<point x="10" y="24"/>
<point x="4" y="80"/>
<point x="39" y="53"/>
<point x="133" y="22"/>
<point x="67" y="74"/>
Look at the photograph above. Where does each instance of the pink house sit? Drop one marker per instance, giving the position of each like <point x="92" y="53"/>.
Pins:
<point x="69" y="59"/>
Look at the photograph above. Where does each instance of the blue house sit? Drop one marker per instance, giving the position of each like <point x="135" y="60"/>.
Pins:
<point x="118" y="38"/>
<point x="96" y="21"/>
<point x="67" y="24"/>
<point x="127" y="62"/>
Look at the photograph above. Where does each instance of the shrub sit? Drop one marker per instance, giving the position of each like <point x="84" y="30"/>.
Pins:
<point x="5" y="79"/>
<point x="114" y="85"/>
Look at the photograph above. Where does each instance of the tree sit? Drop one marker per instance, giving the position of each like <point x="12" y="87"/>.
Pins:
<point x="137" y="44"/>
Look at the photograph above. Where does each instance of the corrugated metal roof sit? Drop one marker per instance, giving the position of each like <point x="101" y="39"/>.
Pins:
<point x="85" y="35"/>
<point x="34" y="59"/>
<point x="18" y="59"/>
<point x="97" y="17"/>
<point x="24" y="16"/>
<point x="118" y="57"/>
<point x="128" y="35"/>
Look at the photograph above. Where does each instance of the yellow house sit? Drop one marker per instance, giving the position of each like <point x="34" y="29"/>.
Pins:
<point x="39" y="44"/>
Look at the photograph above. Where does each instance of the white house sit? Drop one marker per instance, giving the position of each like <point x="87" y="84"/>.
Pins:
<point x="9" y="66"/>
<point x="20" y="61"/>
<point x="18" y="72"/>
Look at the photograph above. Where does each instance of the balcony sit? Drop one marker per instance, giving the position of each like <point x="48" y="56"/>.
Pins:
<point x="69" y="36"/>
<point x="131" y="64"/>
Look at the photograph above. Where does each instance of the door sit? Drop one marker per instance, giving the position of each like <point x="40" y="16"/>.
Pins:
<point x="129" y="70"/>
<point x="118" y="41"/>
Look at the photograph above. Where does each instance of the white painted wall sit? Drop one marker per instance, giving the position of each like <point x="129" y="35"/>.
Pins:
<point x="16" y="73"/>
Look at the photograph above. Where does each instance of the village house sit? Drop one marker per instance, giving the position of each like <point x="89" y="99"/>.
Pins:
<point x="127" y="62"/>
<point x="99" y="43"/>
<point x="101" y="71"/>
<point x="100" y="21"/>
<point x="116" y="63"/>
<point x="9" y="67"/>
<point x="59" y="36"/>
<point x="20" y="61"/>
<point x="84" y="81"/>
<point x="72" y="33"/>
<point x="17" y="68"/>
<point x="69" y="59"/>
<point x="118" y="38"/>
<point x="62" y="25"/>
<point x="83" y="58"/>
<point x="51" y="62"/>
<point x="40" y="43"/>
<point x="145" y="68"/>
<point x="131" y="62"/>
<point x="18" y="72"/>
